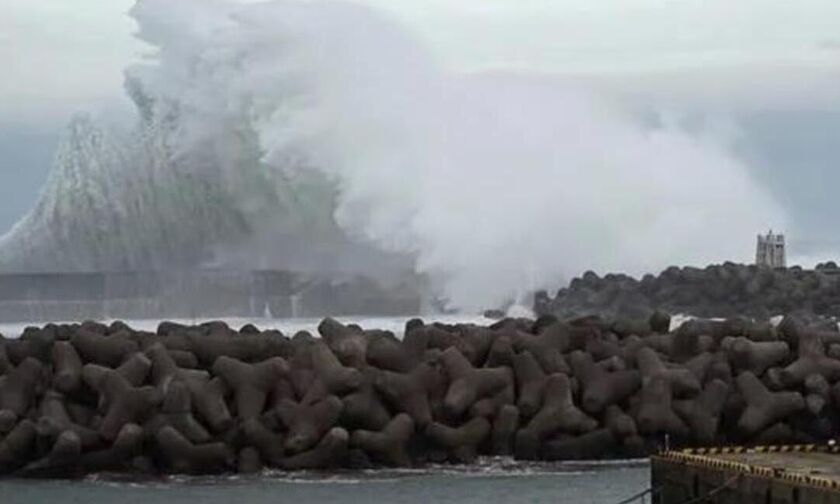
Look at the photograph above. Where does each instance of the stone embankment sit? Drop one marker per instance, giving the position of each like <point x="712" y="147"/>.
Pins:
<point x="725" y="290"/>
<point x="76" y="399"/>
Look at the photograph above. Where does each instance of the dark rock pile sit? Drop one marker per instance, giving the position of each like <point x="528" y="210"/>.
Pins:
<point x="208" y="399"/>
<point x="725" y="290"/>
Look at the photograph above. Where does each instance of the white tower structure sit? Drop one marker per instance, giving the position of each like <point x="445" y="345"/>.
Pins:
<point x="770" y="251"/>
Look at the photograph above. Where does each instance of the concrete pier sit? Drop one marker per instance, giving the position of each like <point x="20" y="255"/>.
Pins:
<point x="803" y="474"/>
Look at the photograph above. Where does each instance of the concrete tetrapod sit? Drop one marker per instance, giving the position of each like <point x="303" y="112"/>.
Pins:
<point x="660" y="321"/>
<point x="548" y="346"/>
<point x="184" y="359"/>
<point x="307" y="423"/>
<point x="777" y="434"/>
<point x="208" y="400"/>
<point x="558" y="413"/>
<point x="176" y="411"/>
<point x="135" y="368"/>
<point x="385" y="353"/>
<point x="505" y="426"/>
<point x="67" y="367"/>
<point x="604" y="348"/>
<point x="746" y="355"/>
<point x="182" y="456"/>
<point x="442" y="336"/>
<point x="764" y="408"/>
<point x="683" y="382"/>
<point x="329" y="452"/>
<point x="600" y="388"/>
<point x="480" y="339"/>
<point x="390" y="445"/>
<point x="5" y="363"/>
<point x="530" y="380"/>
<point x="250" y="383"/>
<point x="17" y="391"/>
<point x="443" y="340"/>
<point x="408" y="392"/>
<point x="569" y="337"/>
<point x="268" y="443"/>
<point x="811" y="360"/>
<point x="349" y="345"/>
<point x="703" y="413"/>
<point x="655" y="414"/>
<point x="619" y="423"/>
<point x="248" y="461"/>
<point x="699" y="365"/>
<point x="685" y="346"/>
<point x="108" y="351"/>
<point x="363" y="409"/>
<point x="489" y="406"/>
<point x="633" y="327"/>
<point x="123" y="404"/>
<point x="64" y="455"/>
<point x="590" y="446"/>
<point x="468" y="384"/>
<point x="206" y="395"/>
<point x="248" y="348"/>
<point x="337" y="378"/>
<point x="33" y="343"/>
<point x="501" y="353"/>
<point x="818" y="393"/>
<point x="662" y="343"/>
<point x="54" y="420"/>
<point x="461" y="442"/>
<point x="717" y="329"/>
<point x="415" y="341"/>
<point x="164" y="368"/>
<point x="17" y="446"/>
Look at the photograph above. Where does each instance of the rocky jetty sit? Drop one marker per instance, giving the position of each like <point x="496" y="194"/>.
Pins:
<point x="210" y="399"/>
<point x="725" y="290"/>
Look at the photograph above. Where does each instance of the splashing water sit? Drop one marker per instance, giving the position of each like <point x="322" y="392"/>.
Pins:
<point x="493" y="184"/>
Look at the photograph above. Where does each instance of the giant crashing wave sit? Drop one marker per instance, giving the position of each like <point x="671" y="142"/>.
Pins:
<point x="137" y="201"/>
<point x="187" y="184"/>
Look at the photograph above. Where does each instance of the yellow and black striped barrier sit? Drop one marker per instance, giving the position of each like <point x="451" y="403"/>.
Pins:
<point x="726" y="450"/>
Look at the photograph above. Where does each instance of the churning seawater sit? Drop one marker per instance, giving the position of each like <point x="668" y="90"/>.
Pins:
<point x="489" y="481"/>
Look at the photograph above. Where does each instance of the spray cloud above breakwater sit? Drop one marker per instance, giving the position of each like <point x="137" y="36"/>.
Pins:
<point x="493" y="185"/>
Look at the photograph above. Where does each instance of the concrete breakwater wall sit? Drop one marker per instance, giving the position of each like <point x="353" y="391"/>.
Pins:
<point x="194" y="294"/>
<point x="791" y="474"/>
<point x="724" y="290"/>
<point x="206" y="399"/>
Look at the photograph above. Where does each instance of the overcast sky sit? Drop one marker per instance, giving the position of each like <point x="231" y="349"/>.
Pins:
<point x="770" y="69"/>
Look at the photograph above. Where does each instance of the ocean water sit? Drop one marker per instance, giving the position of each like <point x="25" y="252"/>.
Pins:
<point x="490" y="481"/>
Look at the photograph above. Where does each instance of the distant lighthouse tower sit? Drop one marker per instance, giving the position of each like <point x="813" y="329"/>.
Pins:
<point x="770" y="251"/>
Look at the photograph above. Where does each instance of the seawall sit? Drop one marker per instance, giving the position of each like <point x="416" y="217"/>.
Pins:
<point x="77" y="398"/>
<point x="796" y="474"/>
